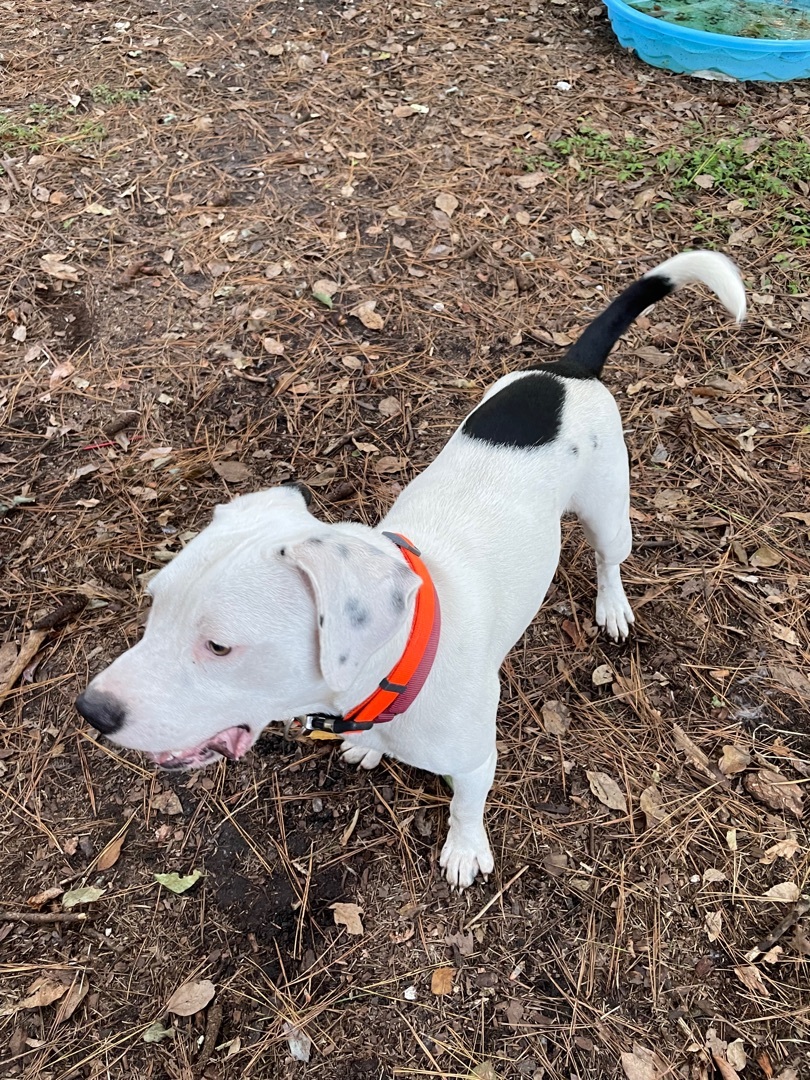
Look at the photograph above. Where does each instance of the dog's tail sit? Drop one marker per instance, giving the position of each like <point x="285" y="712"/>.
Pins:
<point x="589" y="352"/>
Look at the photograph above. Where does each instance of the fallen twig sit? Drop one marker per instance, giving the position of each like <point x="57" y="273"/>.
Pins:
<point x="497" y="896"/>
<point x="42" y="918"/>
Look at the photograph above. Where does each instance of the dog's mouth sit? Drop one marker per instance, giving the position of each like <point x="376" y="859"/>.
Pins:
<point x="232" y="743"/>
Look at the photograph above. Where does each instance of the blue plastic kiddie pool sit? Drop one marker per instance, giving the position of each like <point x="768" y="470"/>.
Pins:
<point x="680" y="48"/>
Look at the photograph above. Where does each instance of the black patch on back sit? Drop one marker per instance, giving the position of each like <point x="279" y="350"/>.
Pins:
<point x="525" y="414"/>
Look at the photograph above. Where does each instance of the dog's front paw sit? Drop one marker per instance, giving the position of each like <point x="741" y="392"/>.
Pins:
<point x="613" y="613"/>
<point x="463" y="858"/>
<point x="359" y="755"/>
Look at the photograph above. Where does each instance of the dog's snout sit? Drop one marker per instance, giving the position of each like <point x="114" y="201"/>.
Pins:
<point x="105" y="714"/>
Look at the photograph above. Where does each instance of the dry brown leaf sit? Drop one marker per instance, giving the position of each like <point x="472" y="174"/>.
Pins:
<point x="326" y="287"/>
<point x="57" y="268"/>
<point x="514" y="1012"/>
<point x="389" y="465"/>
<point x="765" y="557"/>
<point x="348" y="915"/>
<point x="653" y="806"/>
<point x="8" y="658"/>
<point x="441" y="981"/>
<point x="791" y="679"/>
<point x="232" y="472"/>
<point x="607" y="791"/>
<point x="786" y="892"/>
<point x="693" y="753"/>
<point x="670" y="499"/>
<point x="749" y="975"/>
<point x="447" y="203"/>
<point x="167" y="802"/>
<point x="703" y="419"/>
<point x="389" y="406"/>
<point x="644" y="1064"/>
<point x="191" y="997"/>
<point x="770" y="787"/>
<point x="713" y="922"/>
<point x="556" y="717"/>
<point x="367" y="315"/>
<point x="273" y="346"/>
<point x="42" y="992"/>
<point x="529" y="181"/>
<point x="110" y="854"/>
<point x="785" y="633"/>
<point x="782" y="849"/>
<point x="322" y="479"/>
<point x="711" y="876"/>
<point x="734" y="760"/>
<point x="736" y="1054"/>
<point x="465" y="943"/>
<point x="42" y="898"/>
<point x="764" y="1063"/>
<point x="60" y="372"/>
<point x="484" y="1071"/>
<point x="72" y="999"/>
<point x="725" y="1068"/>
<point x="602" y="675"/>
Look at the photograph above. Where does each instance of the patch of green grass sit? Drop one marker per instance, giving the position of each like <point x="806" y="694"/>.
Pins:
<point x="595" y="152"/>
<point x="752" y="167"/>
<point x="103" y="95"/>
<point x="39" y="125"/>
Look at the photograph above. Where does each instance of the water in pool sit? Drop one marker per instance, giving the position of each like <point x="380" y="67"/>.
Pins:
<point x="783" y="20"/>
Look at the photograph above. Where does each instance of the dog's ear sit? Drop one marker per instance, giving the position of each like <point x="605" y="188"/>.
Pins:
<point x="363" y="597"/>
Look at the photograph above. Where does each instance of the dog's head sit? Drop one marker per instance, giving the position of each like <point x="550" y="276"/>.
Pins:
<point x="266" y="615"/>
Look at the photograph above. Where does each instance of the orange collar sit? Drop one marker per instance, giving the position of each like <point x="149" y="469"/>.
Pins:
<point x="397" y="691"/>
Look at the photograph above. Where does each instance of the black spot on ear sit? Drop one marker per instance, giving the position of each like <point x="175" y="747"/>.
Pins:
<point x="594" y="442"/>
<point x="356" y="612"/>
<point x="342" y="658"/>
<point x="315" y="540"/>
<point x="525" y="414"/>
<point x="282" y="552"/>
<point x="320" y="620"/>
<point x="398" y="601"/>
<point x="573" y="449"/>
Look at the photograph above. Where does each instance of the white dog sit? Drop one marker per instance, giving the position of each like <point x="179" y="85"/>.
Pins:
<point x="271" y="614"/>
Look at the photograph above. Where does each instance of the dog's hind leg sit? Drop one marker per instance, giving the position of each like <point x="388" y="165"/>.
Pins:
<point x="466" y="850"/>
<point x="602" y="504"/>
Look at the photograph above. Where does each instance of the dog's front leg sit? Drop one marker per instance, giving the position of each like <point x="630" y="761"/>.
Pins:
<point x="360" y="755"/>
<point x="466" y="850"/>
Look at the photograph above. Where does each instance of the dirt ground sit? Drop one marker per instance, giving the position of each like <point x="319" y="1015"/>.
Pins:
<point x="244" y="242"/>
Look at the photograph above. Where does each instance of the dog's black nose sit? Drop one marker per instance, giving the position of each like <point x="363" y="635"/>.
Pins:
<point x="105" y="714"/>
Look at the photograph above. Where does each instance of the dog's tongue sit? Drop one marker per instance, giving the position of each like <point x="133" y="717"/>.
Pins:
<point x="232" y="743"/>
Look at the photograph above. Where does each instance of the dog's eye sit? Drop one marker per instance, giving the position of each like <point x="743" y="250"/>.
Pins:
<point x="217" y="650"/>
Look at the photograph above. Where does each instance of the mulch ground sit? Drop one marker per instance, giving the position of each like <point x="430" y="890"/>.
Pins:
<point x="245" y="242"/>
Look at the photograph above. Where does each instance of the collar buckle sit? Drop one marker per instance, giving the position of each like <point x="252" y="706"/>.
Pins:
<point x="334" y="725"/>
